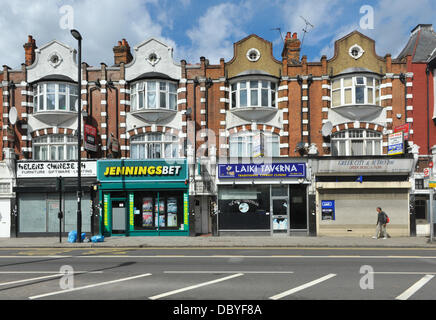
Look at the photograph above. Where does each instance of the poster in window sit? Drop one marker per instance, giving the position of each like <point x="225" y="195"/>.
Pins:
<point x="161" y="213"/>
<point x="172" y="212"/>
<point x="147" y="212"/>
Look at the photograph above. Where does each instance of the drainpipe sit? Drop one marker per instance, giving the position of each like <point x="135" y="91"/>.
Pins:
<point x="427" y="72"/>
<point x="404" y="82"/>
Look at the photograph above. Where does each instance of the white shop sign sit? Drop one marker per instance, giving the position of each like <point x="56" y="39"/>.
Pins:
<point x="52" y="169"/>
<point x="366" y="166"/>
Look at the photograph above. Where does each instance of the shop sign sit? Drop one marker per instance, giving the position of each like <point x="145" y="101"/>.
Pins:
<point x="272" y="170"/>
<point x="365" y="166"/>
<point x="90" y="138"/>
<point x="141" y="170"/>
<point x="185" y="210"/>
<point x="405" y="128"/>
<point x="396" y="143"/>
<point x="52" y="169"/>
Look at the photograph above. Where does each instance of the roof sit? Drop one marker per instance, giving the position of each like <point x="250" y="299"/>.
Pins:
<point x="421" y="44"/>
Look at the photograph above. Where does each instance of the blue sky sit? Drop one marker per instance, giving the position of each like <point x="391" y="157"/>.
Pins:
<point x="206" y="28"/>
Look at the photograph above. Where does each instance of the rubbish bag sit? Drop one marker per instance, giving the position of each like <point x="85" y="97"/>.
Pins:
<point x="97" y="238"/>
<point x="72" y="236"/>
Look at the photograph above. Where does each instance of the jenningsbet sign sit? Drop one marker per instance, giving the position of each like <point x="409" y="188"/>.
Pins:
<point x="141" y="170"/>
<point x="272" y="170"/>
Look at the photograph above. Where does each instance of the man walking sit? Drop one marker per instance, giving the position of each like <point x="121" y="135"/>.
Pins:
<point x="381" y="224"/>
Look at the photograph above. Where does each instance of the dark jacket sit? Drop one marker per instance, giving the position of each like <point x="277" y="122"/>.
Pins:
<point x="381" y="217"/>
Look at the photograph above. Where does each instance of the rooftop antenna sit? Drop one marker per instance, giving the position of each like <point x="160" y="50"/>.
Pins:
<point x="280" y="31"/>
<point x="305" y="30"/>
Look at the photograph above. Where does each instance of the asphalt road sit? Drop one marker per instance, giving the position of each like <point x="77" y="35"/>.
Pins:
<point x="221" y="274"/>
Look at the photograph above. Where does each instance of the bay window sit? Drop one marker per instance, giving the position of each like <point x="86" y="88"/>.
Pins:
<point x="153" y="95"/>
<point x="53" y="96"/>
<point x="355" y="90"/>
<point x="356" y="143"/>
<point x="253" y="93"/>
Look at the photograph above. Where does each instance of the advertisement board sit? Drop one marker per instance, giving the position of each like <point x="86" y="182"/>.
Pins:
<point x="396" y="143"/>
<point x="90" y="138"/>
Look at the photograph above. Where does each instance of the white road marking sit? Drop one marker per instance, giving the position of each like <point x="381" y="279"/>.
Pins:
<point x="220" y="271"/>
<point x="169" y="293"/>
<point x="302" y="287"/>
<point x="402" y="272"/>
<point x="89" y="286"/>
<point x="413" y="289"/>
<point x="32" y="279"/>
<point x="222" y="257"/>
<point x="46" y="272"/>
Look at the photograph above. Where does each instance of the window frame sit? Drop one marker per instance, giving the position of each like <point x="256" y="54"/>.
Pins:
<point x="245" y="85"/>
<point x="342" y="141"/>
<point x="141" y="89"/>
<point x="151" y="140"/>
<point x="49" y="143"/>
<point x="244" y="144"/>
<point x="41" y="94"/>
<point x="375" y="85"/>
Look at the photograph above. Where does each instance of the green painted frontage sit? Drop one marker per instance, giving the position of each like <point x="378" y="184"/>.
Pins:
<point x="115" y="179"/>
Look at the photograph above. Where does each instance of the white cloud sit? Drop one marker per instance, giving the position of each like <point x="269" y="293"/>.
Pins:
<point x="101" y="26"/>
<point x="216" y="31"/>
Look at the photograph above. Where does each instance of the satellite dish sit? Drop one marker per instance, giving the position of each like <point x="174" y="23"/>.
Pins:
<point x="13" y="116"/>
<point x="327" y="129"/>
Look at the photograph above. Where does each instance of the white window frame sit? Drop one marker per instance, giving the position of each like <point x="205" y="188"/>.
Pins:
<point x="40" y="96"/>
<point x="345" y="140"/>
<point x="244" y="145"/>
<point x="154" y="140"/>
<point x="235" y="93"/>
<point x="375" y="86"/>
<point x="52" y="142"/>
<point x="141" y="88"/>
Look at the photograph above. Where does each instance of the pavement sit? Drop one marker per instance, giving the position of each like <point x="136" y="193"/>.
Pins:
<point x="222" y="241"/>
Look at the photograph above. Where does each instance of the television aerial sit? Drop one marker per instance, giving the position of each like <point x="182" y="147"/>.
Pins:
<point x="306" y="29"/>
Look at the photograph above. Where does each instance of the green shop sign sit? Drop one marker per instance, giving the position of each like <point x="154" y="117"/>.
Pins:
<point x="142" y="170"/>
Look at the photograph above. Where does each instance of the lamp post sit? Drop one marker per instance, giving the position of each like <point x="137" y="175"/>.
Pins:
<point x="78" y="37"/>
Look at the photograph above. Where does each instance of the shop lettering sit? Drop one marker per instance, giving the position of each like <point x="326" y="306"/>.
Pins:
<point x="365" y="162"/>
<point x="266" y="168"/>
<point x="143" y="171"/>
<point x="30" y="166"/>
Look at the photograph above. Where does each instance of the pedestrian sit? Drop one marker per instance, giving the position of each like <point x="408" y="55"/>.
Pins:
<point x="381" y="224"/>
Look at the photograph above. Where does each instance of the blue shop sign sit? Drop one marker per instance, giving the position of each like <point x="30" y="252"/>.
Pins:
<point x="271" y="170"/>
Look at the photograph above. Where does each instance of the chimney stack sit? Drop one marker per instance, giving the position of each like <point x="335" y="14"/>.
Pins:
<point x="122" y="53"/>
<point x="291" y="49"/>
<point x="29" y="50"/>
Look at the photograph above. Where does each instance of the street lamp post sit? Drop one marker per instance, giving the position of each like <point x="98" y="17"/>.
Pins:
<point x="78" y="37"/>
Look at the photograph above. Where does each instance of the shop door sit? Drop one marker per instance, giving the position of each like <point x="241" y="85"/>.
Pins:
<point x="280" y="216"/>
<point x="119" y="216"/>
<point x="52" y="215"/>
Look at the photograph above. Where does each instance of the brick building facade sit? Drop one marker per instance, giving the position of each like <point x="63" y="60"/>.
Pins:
<point x="306" y="119"/>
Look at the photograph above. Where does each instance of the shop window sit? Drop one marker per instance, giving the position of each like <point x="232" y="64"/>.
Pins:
<point x="254" y="145"/>
<point x="254" y="93"/>
<point x="244" y="208"/>
<point x="356" y="143"/>
<point x="355" y="90"/>
<point x="154" y="146"/>
<point x="55" y="147"/>
<point x="53" y="96"/>
<point x="154" y="95"/>
<point x="158" y="210"/>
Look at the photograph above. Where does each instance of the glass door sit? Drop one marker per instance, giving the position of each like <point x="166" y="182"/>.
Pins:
<point x="119" y="216"/>
<point x="280" y="216"/>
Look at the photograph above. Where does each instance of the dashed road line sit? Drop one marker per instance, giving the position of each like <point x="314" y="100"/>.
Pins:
<point x="89" y="286"/>
<point x="302" y="287"/>
<point x="169" y="293"/>
<point x="413" y="289"/>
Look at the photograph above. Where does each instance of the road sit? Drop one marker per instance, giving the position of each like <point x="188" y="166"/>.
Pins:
<point x="221" y="274"/>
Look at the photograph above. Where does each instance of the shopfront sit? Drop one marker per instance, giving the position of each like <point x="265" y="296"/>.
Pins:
<point x="348" y="191"/>
<point x="263" y="199"/>
<point x="144" y="197"/>
<point x="39" y="199"/>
